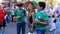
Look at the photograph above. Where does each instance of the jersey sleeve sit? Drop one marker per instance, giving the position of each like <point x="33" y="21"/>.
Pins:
<point x="15" y="12"/>
<point x="46" y="17"/>
<point x="24" y="12"/>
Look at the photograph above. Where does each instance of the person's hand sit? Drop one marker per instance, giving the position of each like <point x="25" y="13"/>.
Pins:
<point x="37" y="21"/>
<point x="5" y="17"/>
<point x="17" y="16"/>
<point x="14" y="19"/>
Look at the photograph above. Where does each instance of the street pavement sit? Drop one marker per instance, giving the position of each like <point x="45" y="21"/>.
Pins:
<point x="11" y="29"/>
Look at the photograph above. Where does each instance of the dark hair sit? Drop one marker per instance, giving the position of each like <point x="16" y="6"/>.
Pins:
<point x="42" y="4"/>
<point x="19" y="4"/>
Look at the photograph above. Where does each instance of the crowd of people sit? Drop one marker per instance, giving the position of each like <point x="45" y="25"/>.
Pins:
<point x="37" y="18"/>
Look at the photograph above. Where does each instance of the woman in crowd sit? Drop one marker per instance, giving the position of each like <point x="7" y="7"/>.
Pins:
<point x="31" y="15"/>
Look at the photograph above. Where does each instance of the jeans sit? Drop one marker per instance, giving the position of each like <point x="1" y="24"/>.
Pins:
<point x="9" y="18"/>
<point x="40" y="31"/>
<point x="21" y="26"/>
<point x="57" y="31"/>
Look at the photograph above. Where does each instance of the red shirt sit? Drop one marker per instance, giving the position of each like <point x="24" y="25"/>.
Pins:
<point x="2" y="15"/>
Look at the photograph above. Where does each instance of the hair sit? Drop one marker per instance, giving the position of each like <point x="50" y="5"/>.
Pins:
<point x="33" y="6"/>
<point x="42" y="4"/>
<point x="19" y="4"/>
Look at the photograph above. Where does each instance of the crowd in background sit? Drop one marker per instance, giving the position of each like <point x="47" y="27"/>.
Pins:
<point x="37" y="18"/>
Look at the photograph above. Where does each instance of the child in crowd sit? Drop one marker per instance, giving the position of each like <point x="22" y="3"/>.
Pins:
<point x="41" y="19"/>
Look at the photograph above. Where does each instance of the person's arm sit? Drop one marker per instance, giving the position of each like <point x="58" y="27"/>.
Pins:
<point x="43" y="23"/>
<point x="46" y="20"/>
<point x="5" y="13"/>
<point x="15" y="16"/>
<point x="33" y="16"/>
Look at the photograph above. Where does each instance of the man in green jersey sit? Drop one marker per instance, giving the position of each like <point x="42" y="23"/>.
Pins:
<point x="20" y="18"/>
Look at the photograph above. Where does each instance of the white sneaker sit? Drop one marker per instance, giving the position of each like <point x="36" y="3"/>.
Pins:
<point x="52" y="29"/>
<point x="31" y="33"/>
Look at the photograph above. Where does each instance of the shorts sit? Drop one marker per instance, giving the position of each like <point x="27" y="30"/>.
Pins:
<point x="3" y="24"/>
<point x="30" y="26"/>
<point x="31" y="29"/>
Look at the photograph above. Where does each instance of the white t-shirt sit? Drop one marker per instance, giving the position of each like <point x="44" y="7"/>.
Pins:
<point x="57" y="11"/>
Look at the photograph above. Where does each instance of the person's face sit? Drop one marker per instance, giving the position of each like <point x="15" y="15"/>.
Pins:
<point x="39" y="8"/>
<point x="16" y="7"/>
<point x="20" y="7"/>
